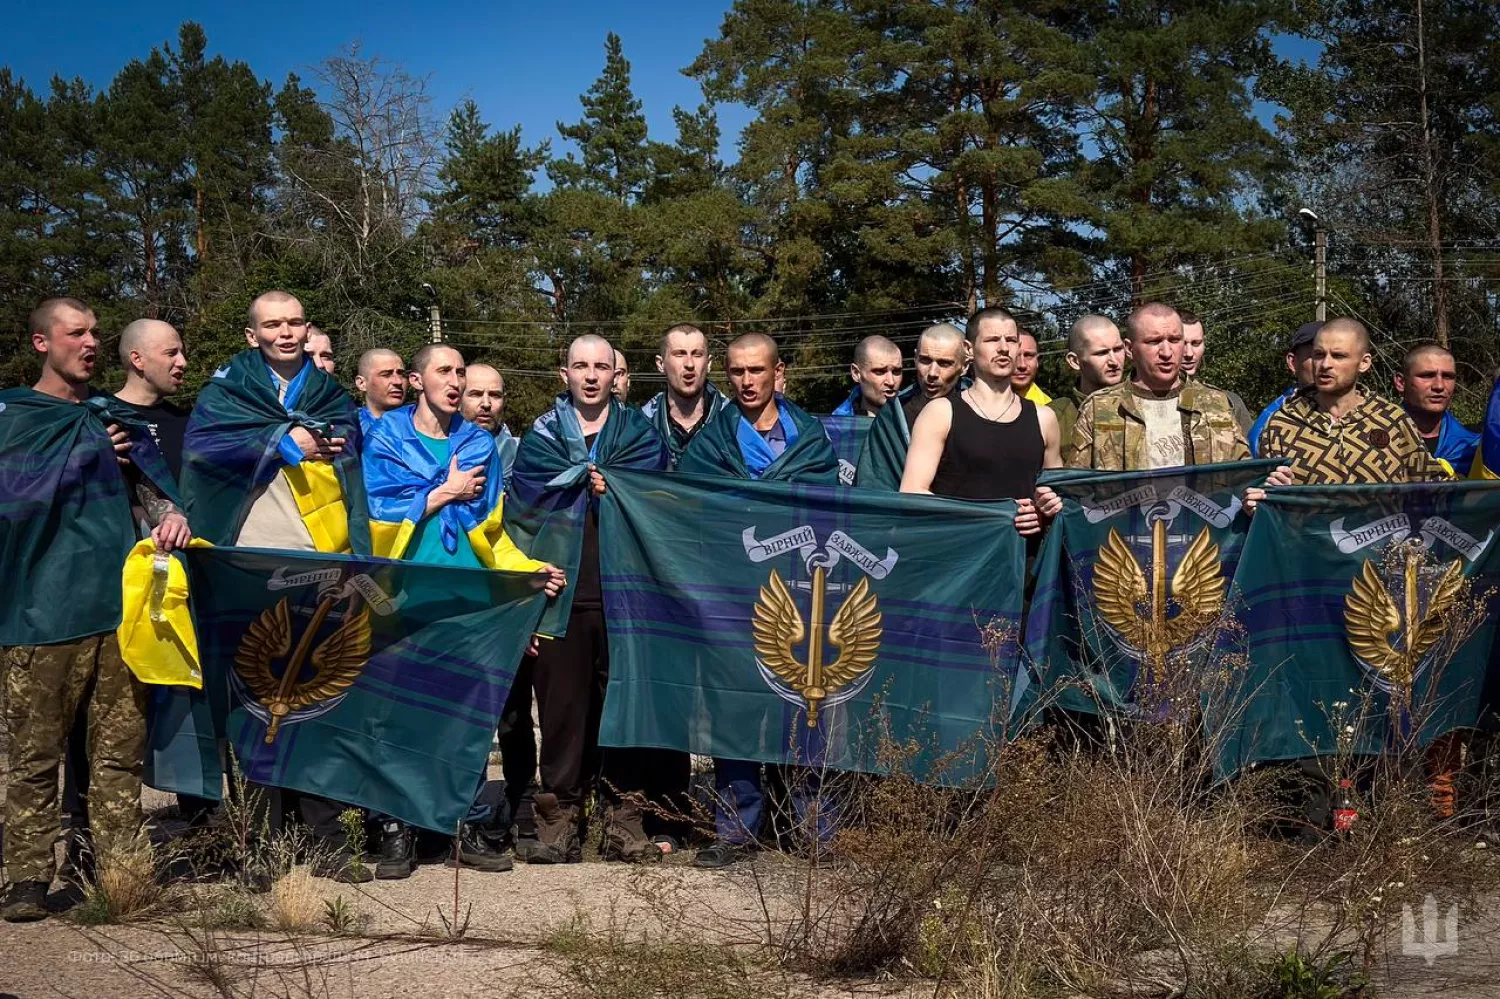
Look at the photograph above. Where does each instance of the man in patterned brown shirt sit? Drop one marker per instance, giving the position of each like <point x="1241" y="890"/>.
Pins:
<point x="1336" y="432"/>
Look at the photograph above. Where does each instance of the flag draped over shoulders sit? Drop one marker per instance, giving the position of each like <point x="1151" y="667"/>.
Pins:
<point x="658" y="410"/>
<point x="1132" y="581"/>
<point x="233" y="448"/>
<point x="549" y="493"/>
<point x="1367" y="620"/>
<point x="400" y="473"/>
<point x="882" y="459"/>
<point x="913" y="602"/>
<point x="1487" y="457"/>
<point x="847" y="434"/>
<point x="731" y="446"/>
<point x="145" y="454"/>
<point x="65" y="523"/>
<point x="362" y="680"/>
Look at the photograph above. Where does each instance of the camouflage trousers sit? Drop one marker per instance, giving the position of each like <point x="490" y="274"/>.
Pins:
<point x="44" y="687"/>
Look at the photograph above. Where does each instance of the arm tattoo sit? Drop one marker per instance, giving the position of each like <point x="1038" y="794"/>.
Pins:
<point x="153" y="501"/>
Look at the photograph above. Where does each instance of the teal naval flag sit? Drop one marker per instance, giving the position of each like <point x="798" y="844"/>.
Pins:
<point x="847" y="433"/>
<point x="808" y="624"/>
<point x="366" y="681"/>
<point x="1368" y="616"/>
<point x="1132" y="581"/>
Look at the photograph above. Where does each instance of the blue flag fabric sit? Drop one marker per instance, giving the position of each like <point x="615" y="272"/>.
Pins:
<point x="361" y="680"/>
<point x="1381" y="598"/>
<point x="848" y="433"/>
<point x="719" y="449"/>
<point x="1132" y="580"/>
<point x="549" y="497"/>
<point x="710" y="636"/>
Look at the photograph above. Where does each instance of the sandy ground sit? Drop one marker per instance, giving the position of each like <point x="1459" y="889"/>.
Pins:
<point x="401" y="950"/>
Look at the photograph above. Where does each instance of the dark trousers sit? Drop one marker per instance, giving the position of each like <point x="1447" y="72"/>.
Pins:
<point x="570" y="676"/>
<point x="517" y="736"/>
<point x="75" y="792"/>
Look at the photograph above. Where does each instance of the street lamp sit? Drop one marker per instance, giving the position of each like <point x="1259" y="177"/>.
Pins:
<point x="434" y="317"/>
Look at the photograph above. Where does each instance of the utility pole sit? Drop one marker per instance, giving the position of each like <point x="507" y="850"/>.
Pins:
<point x="1320" y="262"/>
<point x="1320" y="272"/>
<point x="434" y="315"/>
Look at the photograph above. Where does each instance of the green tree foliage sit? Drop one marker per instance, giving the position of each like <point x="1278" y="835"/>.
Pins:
<point x="904" y="163"/>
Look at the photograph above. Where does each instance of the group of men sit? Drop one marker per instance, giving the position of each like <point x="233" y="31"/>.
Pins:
<point x="275" y="454"/>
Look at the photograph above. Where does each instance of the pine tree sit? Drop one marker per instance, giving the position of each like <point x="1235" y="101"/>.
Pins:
<point x="611" y="136"/>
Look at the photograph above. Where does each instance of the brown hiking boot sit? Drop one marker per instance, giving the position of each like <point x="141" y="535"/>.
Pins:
<point x="556" y="833"/>
<point x="625" y="838"/>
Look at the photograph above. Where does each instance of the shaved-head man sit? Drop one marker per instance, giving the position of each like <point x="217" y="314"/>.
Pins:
<point x="1096" y="351"/>
<point x="319" y="347"/>
<point x="1337" y="431"/>
<point x="1157" y="419"/>
<point x="561" y="468"/>
<point x="60" y="626"/>
<point x="876" y="373"/>
<point x="942" y="355"/>
<point x="767" y="438"/>
<point x="1028" y="364"/>
<point x="1425" y="383"/>
<point x="1194" y="349"/>
<point x="382" y="379"/>
<point x="484" y="406"/>
<point x="152" y="354"/>
<point x="621" y="386"/>
<point x="690" y="399"/>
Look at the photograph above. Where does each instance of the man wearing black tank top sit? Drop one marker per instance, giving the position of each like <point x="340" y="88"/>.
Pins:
<point x="987" y="442"/>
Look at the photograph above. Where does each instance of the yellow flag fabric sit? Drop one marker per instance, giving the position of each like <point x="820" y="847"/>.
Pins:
<point x="320" y="500"/>
<point x="156" y="634"/>
<point x="1036" y="395"/>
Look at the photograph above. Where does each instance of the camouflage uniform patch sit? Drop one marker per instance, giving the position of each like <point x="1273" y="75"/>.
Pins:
<point x="44" y="686"/>
<point x="1066" y="409"/>
<point x="1110" y="432"/>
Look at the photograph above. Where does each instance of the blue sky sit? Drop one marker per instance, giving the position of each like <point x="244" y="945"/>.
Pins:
<point x="522" y="62"/>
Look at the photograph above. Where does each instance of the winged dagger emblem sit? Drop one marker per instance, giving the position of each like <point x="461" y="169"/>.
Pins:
<point x="1136" y="607"/>
<point x="336" y="661"/>
<point x="1371" y="616"/>
<point x="855" y="631"/>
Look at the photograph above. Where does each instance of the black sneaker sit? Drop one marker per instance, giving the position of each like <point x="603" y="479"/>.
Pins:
<point x="397" y="856"/>
<point x="721" y="854"/>
<point x="25" y="902"/>
<point x="340" y="866"/>
<point x="476" y="852"/>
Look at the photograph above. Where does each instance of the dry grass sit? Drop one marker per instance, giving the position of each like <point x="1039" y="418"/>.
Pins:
<point x="295" y="902"/>
<point x="129" y="883"/>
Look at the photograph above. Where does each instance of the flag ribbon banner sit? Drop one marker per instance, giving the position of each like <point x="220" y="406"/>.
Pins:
<point x="848" y="434"/>
<point x="1132" y="581"/>
<point x="366" y="681"/>
<point x="1368" y="616"/>
<point x="808" y="624"/>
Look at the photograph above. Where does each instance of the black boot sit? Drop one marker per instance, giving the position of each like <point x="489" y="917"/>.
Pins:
<point x="397" y="856"/>
<point x="475" y="851"/>
<point x="26" y="902"/>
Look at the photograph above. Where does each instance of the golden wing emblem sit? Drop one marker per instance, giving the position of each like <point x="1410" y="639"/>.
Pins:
<point x="1119" y="590"/>
<point x="1370" y="618"/>
<point x="1198" y="587"/>
<point x="337" y="660"/>
<point x="1439" y="604"/>
<point x="268" y="637"/>
<point x="778" y="627"/>
<point x="856" y="632"/>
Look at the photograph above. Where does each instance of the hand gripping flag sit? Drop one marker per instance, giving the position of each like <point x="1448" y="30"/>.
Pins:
<point x="232" y="448"/>
<point x="365" y="681"/>
<point x="400" y="473"/>
<point x="808" y="624"/>
<point x="1368" y="616"/>
<point x="145" y="454"/>
<point x="1132" y="582"/>
<point x="65" y="523"/>
<point x="549" y="487"/>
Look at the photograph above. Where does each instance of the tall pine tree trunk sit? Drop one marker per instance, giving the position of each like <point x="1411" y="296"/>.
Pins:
<point x="1432" y="187"/>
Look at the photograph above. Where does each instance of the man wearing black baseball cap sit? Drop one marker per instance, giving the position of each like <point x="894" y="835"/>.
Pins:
<point x="1300" y="363"/>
